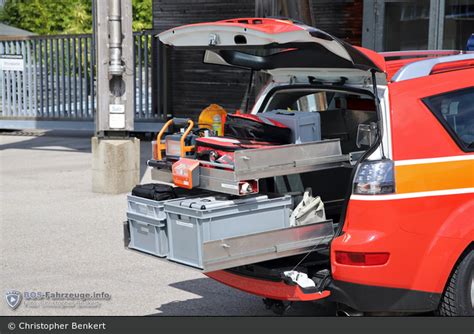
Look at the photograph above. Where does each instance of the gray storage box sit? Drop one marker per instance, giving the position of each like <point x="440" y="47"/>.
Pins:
<point x="147" y="223"/>
<point x="192" y="223"/>
<point x="305" y="126"/>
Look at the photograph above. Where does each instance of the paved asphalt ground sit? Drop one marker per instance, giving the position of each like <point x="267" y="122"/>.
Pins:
<point x="56" y="235"/>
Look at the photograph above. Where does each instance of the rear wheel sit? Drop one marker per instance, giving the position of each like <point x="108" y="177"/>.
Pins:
<point x="458" y="298"/>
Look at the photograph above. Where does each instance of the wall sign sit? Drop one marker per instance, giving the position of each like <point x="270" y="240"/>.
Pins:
<point x="117" y="121"/>
<point x="12" y="63"/>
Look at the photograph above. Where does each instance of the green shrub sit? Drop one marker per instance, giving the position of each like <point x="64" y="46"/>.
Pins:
<point x="50" y="17"/>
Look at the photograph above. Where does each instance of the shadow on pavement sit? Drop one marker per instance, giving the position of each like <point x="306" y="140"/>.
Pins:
<point x="220" y="300"/>
<point x="64" y="141"/>
<point x="58" y="141"/>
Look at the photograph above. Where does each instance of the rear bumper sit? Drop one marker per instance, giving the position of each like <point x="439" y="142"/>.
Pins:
<point x="368" y="298"/>
<point x="363" y="298"/>
<point x="265" y="288"/>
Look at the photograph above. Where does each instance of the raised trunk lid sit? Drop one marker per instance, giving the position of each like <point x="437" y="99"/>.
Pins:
<point x="229" y="42"/>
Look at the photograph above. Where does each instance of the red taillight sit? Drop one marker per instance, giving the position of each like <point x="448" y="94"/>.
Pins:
<point x="361" y="259"/>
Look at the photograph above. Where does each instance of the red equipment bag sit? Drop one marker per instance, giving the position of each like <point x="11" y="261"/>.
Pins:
<point x="221" y="149"/>
<point x="253" y="127"/>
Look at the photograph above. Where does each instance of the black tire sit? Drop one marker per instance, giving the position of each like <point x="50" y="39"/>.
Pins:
<point x="458" y="298"/>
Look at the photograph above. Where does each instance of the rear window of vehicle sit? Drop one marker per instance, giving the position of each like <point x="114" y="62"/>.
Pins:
<point x="455" y="111"/>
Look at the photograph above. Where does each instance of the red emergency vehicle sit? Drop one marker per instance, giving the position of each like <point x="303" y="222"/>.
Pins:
<point x="405" y="209"/>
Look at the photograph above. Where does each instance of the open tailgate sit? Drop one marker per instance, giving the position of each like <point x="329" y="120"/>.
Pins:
<point x="227" y="42"/>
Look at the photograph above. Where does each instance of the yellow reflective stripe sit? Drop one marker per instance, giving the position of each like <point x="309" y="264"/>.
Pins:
<point x="434" y="176"/>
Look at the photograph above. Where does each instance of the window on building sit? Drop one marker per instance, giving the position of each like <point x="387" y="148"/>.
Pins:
<point x="455" y="110"/>
<point x="458" y="23"/>
<point x="406" y="25"/>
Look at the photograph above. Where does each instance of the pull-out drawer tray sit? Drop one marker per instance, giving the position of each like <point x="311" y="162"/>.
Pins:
<point x="251" y="165"/>
<point x="245" y="231"/>
<point x="263" y="246"/>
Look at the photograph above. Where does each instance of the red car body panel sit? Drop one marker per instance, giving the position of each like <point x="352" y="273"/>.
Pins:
<point x="428" y="222"/>
<point x="410" y="118"/>
<point x="421" y="256"/>
<point x="375" y="57"/>
<point x="265" y="25"/>
<point x="425" y="235"/>
<point x="266" y="289"/>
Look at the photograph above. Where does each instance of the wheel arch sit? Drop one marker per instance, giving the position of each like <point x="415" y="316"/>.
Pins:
<point x="454" y="264"/>
<point x="466" y="251"/>
<point x="451" y="303"/>
<point x="440" y="261"/>
<point x="453" y="238"/>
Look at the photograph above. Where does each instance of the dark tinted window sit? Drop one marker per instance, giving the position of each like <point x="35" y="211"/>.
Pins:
<point x="455" y="110"/>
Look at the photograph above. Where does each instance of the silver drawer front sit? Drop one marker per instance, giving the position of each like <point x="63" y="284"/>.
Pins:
<point x="253" y="248"/>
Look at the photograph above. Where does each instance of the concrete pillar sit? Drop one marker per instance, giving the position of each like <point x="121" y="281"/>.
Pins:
<point x="115" y="165"/>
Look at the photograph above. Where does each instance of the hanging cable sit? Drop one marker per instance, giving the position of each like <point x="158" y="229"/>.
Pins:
<point x="307" y="254"/>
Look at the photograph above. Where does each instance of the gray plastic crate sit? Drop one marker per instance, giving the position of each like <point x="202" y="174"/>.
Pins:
<point x="305" y="126"/>
<point x="189" y="227"/>
<point x="146" y="207"/>
<point x="147" y="222"/>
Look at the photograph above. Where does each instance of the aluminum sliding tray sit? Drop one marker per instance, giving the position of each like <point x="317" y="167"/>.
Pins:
<point x="255" y="164"/>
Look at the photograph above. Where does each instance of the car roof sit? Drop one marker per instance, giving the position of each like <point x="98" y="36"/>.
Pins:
<point x="394" y="61"/>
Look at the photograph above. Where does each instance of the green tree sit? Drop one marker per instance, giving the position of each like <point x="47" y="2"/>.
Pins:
<point x="142" y="15"/>
<point x="49" y="17"/>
